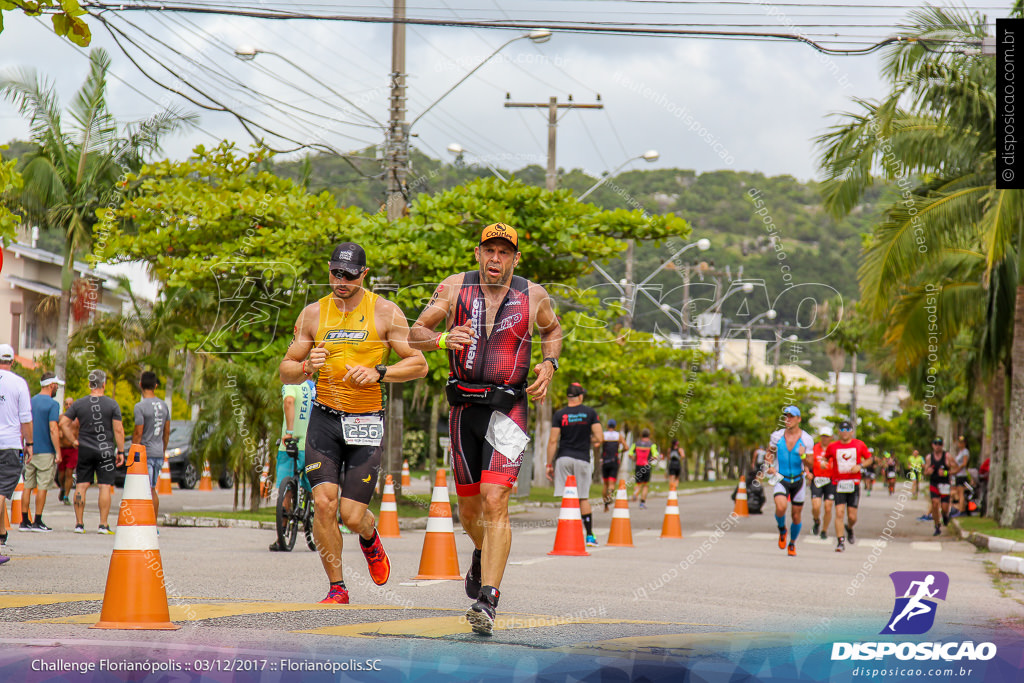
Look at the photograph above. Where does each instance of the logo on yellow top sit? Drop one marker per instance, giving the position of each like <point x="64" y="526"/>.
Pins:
<point x="346" y="335"/>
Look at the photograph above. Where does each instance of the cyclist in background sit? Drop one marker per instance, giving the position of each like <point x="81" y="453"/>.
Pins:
<point x="297" y="403"/>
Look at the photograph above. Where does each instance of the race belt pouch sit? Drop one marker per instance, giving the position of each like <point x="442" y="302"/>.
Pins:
<point x="493" y="395"/>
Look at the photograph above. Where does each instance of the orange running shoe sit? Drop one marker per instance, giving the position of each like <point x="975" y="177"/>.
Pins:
<point x="782" y="539"/>
<point x="377" y="560"/>
<point x="336" y="596"/>
<point x="792" y="550"/>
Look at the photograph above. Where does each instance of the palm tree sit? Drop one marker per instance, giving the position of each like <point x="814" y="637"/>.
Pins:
<point x="75" y="169"/>
<point x="938" y="125"/>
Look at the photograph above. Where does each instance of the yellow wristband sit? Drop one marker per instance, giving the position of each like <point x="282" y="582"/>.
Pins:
<point x="441" y="340"/>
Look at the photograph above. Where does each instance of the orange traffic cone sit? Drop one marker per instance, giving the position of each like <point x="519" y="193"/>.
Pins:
<point x="16" y="510"/>
<point x="163" y="484"/>
<point x="265" y="481"/>
<point x="569" y="535"/>
<point x="740" y="510"/>
<point x="621" y="533"/>
<point x="406" y="479"/>
<point x="439" y="559"/>
<point x="135" y="597"/>
<point x="670" y="528"/>
<point x="387" y="523"/>
<point x="206" y="482"/>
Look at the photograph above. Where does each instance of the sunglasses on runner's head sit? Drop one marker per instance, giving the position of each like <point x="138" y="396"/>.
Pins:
<point x="343" y="274"/>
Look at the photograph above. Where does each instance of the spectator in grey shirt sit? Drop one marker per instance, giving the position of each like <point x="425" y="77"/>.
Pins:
<point x="152" y="429"/>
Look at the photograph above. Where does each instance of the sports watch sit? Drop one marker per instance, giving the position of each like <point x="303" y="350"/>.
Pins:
<point x="553" y="361"/>
<point x="382" y="370"/>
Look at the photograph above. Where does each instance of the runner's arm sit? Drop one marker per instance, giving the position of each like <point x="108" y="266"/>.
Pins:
<point x="296" y="368"/>
<point x="65" y="428"/>
<point x="119" y="440"/>
<point x="422" y="336"/>
<point x="412" y="364"/>
<point x="139" y="424"/>
<point x="550" y="342"/>
<point x="596" y="435"/>
<point x="289" y="414"/>
<point x="55" y="439"/>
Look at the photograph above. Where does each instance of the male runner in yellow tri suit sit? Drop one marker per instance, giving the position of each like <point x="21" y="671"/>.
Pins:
<point x="346" y="337"/>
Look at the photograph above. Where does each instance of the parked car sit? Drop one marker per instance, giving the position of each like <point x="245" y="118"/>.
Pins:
<point x="184" y="472"/>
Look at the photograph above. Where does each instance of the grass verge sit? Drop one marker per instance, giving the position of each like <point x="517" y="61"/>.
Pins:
<point x="989" y="527"/>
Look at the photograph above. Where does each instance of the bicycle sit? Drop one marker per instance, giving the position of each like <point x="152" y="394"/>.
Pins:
<point x="294" y="504"/>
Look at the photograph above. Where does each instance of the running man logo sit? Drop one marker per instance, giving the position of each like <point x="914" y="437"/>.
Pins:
<point x="914" y="612"/>
<point x="345" y="335"/>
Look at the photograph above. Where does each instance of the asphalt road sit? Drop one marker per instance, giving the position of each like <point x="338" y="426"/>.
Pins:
<point x="710" y="599"/>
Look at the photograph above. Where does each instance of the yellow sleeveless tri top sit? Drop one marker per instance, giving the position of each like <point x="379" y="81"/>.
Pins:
<point x="350" y="339"/>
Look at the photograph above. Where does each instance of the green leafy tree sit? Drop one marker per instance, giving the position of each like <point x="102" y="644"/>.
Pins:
<point x="74" y="169"/>
<point x="938" y="124"/>
<point x="10" y="183"/>
<point x="66" y="16"/>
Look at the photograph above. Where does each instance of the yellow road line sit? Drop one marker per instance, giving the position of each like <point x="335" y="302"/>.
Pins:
<point x="197" y="612"/>
<point x="680" y="643"/>
<point x="8" y="601"/>
<point x="435" y="627"/>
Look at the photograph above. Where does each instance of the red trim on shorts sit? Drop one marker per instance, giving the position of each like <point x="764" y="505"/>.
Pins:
<point x="610" y="480"/>
<point x="499" y="478"/>
<point x="467" y="490"/>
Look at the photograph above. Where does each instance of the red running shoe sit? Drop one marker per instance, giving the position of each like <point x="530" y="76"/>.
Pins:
<point x="377" y="560"/>
<point x="336" y="596"/>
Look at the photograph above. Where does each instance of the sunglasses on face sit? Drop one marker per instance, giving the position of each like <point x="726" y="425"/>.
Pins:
<point x="343" y="274"/>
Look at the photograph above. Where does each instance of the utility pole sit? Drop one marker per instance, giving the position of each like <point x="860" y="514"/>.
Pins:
<point x="543" y="429"/>
<point x="552" y="105"/>
<point x="397" y="164"/>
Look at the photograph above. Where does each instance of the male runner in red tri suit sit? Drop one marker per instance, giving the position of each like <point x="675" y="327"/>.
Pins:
<point x="489" y="316"/>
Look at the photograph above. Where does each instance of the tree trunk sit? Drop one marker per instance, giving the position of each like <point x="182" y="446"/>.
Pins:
<point x="997" y="452"/>
<point x="1013" y="513"/>
<point x="853" y="392"/>
<point x="540" y="443"/>
<point x="432" y="445"/>
<point x="63" y="331"/>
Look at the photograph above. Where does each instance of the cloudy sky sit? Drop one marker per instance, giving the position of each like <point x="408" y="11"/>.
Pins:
<point x="704" y="104"/>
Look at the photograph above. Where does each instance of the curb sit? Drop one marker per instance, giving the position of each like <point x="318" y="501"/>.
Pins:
<point x="688" y="492"/>
<point x="404" y="523"/>
<point x="1007" y="564"/>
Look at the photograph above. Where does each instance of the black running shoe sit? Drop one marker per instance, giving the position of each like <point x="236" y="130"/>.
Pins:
<point x="938" y="532"/>
<point x="481" y="615"/>
<point x="840" y="547"/>
<point x="817" y="528"/>
<point x="473" y="584"/>
<point x="849" y="534"/>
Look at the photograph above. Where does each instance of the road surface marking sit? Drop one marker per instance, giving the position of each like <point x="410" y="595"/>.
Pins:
<point x="8" y="601"/>
<point x="533" y="561"/>
<point x="933" y="546"/>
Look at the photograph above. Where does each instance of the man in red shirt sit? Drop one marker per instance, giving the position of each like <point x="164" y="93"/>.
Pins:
<point x="846" y="458"/>
<point x="822" y="487"/>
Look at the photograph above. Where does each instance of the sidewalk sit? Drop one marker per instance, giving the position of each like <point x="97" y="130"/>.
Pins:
<point x="1008" y="564"/>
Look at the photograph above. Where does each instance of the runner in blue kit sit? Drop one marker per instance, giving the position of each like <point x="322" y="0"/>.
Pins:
<point x="785" y="460"/>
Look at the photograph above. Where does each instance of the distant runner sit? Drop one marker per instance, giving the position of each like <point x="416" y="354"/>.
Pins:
<point x="785" y="460"/>
<point x="847" y="457"/>
<point x="613" y="445"/>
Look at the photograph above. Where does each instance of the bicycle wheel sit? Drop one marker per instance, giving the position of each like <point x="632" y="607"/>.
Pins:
<point x="306" y="510"/>
<point x="287" y="522"/>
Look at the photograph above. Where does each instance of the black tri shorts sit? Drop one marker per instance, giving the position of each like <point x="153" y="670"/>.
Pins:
<point x="330" y="460"/>
<point x="474" y="460"/>
<point x="96" y="463"/>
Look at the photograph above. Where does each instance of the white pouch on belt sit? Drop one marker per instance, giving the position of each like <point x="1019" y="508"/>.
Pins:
<point x="506" y="437"/>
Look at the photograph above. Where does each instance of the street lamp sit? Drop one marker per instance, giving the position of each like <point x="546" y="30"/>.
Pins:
<point x="626" y="289"/>
<point x="778" y="344"/>
<point x="458" y="150"/>
<point x="770" y="314"/>
<point x="648" y="156"/>
<point x="537" y="36"/>
<point x="247" y="53"/>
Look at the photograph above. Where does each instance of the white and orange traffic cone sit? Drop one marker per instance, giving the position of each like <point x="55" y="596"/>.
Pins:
<point x="740" y="509"/>
<point x="206" y="481"/>
<point x="670" y="528"/>
<point x="569" y="538"/>
<point x="621" y="533"/>
<point x="265" y="481"/>
<point x="387" y="523"/>
<point x="16" y="507"/>
<point x="406" y="478"/>
<point x="439" y="559"/>
<point x="163" y="484"/>
<point x="136" y="597"/>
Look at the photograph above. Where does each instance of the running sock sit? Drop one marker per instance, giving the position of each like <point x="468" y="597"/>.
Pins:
<point x="338" y="584"/>
<point x="794" y="531"/>
<point x="780" y="522"/>
<point x="587" y="519"/>
<point x="366" y="544"/>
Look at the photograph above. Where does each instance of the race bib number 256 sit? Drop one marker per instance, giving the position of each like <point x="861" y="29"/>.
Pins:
<point x="362" y="430"/>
